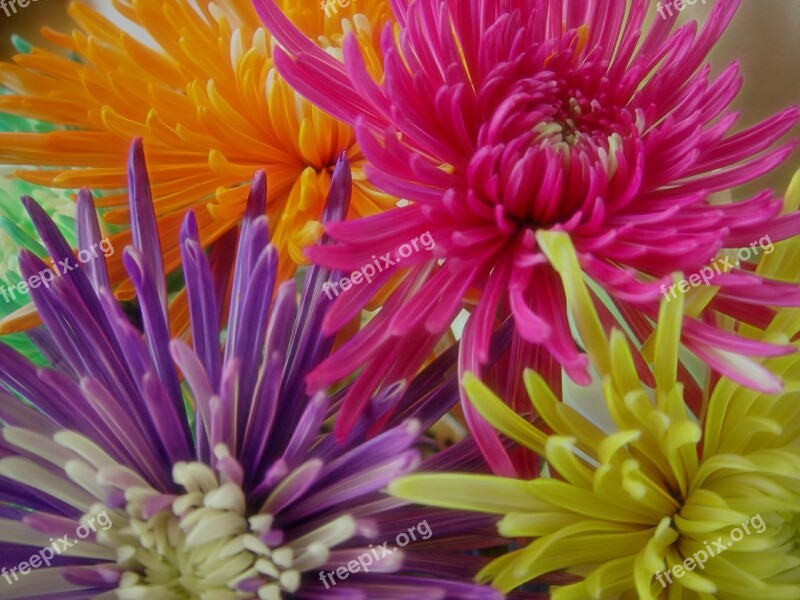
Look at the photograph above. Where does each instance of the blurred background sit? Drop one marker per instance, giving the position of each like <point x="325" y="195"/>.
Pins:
<point x="763" y="37"/>
<point x="27" y="22"/>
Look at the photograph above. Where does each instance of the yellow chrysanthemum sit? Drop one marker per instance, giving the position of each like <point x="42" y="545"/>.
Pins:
<point x="211" y="109"/>
<point x="620" y="508"/>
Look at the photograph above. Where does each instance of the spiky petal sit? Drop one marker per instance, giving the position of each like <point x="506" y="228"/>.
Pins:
<point x="210" y="108"/>
<point x="248" y="495"/>
<point x="502" y="120"/>
<point x="625" y="504"/>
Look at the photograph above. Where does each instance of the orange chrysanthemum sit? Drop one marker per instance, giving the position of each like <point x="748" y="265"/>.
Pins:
<point x="211" y="109"/>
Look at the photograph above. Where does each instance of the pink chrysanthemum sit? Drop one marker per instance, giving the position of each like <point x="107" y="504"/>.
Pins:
<point x="499" y="120"/>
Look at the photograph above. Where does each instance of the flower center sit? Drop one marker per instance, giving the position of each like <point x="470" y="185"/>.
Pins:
<point x="559" y="140"/>
<point x="199" y="544"/>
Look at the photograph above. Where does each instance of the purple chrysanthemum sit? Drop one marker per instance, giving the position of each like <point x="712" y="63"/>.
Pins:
<point x="503" y="120"/>
<point x="246" y="495"/>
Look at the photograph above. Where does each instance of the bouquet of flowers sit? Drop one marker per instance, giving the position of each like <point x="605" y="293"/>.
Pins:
<point x="371" y="300"/>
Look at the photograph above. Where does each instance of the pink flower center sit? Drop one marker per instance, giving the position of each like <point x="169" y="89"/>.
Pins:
<point x="558" y="138"/>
